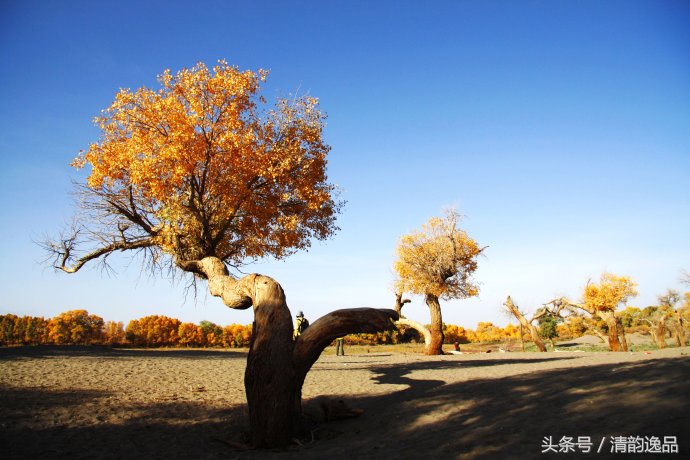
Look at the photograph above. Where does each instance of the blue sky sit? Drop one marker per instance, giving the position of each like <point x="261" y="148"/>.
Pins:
<point x="561" y="130"/>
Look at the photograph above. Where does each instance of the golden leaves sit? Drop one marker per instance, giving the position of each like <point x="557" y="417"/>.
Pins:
<point x="217" y="171"/>
<point x="611" y="291"/>
<point x="439" y="259"/>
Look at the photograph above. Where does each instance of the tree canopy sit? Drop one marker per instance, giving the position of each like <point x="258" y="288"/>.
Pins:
<point x="612" y="291"/>
<point x="439" y="259"/>
<point x="201" y="167"/>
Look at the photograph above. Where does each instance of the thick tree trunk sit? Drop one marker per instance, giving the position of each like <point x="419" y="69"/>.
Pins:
<point x="678" y="330"/>
<point x="621" y="334"/>
<point x="277" y="365"/>
<point x="435" y="346"/>
<point x="274" y="410"/>
<point x="610" y="318"/>
<point x="658" y="331"/>
<point x="525" y="324"/>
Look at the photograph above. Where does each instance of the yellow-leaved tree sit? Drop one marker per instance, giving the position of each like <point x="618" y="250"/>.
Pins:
<point x="201" y="174"/>
<point x="603" y="299"/>
<point x="437" y="262"/>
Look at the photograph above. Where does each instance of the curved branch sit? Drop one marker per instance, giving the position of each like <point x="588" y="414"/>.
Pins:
<point x="62" y="252"/>
<point x="238" y="294"/>
<point x="419" y="327"/>
<point x="336" y="324"/>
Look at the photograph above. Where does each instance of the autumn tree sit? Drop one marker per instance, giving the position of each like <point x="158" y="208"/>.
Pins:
<point x="75" y="327"/>
<point x="675" y="317"/>
<point x="189" y="335"/>
<point x="153" y="331"/>
<point x="527" y="324"/>
<point x="603" y="299"/>
<point x="114" y="333"/>
<point x="657" y="318"/>
<point x="437" y="262"/>
<point x="548" y="328"/>
<point x="201" y="175"/>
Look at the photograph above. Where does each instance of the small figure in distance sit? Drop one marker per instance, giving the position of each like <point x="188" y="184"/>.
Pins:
<point x="340" y="346"/>
<point x="301" y="323"/>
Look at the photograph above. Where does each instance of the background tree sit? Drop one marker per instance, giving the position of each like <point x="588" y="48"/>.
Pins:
<point x="113" y="333"/>
<point x="200" y="175"/>
<point x="75" y="327"/>
<point x="548" y="328"/>
<point x="212" y="334"/>
<point x="675" y="320"/>
<point x="437" y="262"/>
<point x="189" y="335"/>
<point x="527" y="325"/>
<point x="603" y="299"/>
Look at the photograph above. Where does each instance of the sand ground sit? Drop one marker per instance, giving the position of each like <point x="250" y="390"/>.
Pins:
<point x="101" y="403"/>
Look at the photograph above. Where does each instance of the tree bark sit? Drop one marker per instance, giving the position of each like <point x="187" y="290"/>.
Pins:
<point x="525" y="324"/>
<point x="435" y="346"/>
<point x="277" y="365"/>
<point x="399" y="302"/>
<point x="678" y="330"/>
<point x="621" y="333"/>
<point x="613" y="333"/>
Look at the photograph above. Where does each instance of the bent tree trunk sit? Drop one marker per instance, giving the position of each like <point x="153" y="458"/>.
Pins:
<point x="435" y="345"/>
<point x="614" y="331"/>
<point x="277" y="365"/>
<point x="419" y="327"/>
<point x="525" y="324"/>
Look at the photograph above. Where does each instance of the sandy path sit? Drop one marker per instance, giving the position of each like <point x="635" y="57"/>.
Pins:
<point x="102" y="403"/>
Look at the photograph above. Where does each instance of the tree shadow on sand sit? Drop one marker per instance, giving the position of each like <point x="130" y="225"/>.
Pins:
<point x="509" y="417"/>
<point x="504" y="417"/>
<point x="163" y="429"/>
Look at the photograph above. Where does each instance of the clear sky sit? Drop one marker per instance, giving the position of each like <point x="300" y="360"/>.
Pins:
<point x="561" y="130"/>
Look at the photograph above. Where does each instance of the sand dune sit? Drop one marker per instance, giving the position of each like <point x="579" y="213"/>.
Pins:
<point x="100" y="403"/>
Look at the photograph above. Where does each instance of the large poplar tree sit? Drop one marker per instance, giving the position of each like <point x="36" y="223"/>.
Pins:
<point x="200" y="175"/>
<point x="437" y="262"/>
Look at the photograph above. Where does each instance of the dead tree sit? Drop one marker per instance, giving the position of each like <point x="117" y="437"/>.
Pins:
<point x="527" y="324"/>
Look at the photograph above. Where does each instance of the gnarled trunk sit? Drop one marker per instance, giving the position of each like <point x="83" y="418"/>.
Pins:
<point x="399" y="302"/>
<point x="435" y="346"/>
<point x="678" y="330"/>
<point x="614" y="331"/>
<point x="525" y="324"/>
<point x="277" y="365"/>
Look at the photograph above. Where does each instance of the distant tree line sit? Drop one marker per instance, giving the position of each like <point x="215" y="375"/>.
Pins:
<point x="78" y="327"/>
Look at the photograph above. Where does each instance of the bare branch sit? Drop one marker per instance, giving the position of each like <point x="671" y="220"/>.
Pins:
<point x="65" y="260"/>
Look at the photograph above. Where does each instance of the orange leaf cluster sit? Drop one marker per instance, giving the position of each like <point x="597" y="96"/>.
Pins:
<point x="611" y="292"/>
<point x="439" y="259"/>
<point x="201" y="167"/>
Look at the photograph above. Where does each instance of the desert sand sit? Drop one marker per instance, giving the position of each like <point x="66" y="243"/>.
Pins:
<point x="102" y="403"/>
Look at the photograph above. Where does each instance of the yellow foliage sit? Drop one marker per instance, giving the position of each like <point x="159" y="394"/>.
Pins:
<point x="611" y="292"/>
<point x="202" y="169"/>
<point x="439" y="259"/>
<point x="75" y="327"/>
